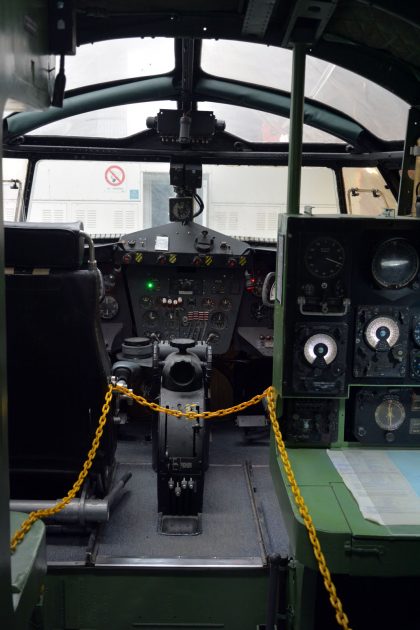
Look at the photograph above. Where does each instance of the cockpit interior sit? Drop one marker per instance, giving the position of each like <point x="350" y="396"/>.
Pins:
<point x="210" y="315"/>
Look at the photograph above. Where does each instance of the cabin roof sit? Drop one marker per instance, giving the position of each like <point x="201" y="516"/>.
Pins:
<point x="376" y="39"/>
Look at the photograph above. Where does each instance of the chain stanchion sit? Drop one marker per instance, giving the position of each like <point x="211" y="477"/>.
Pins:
<point x="270" y="394"/>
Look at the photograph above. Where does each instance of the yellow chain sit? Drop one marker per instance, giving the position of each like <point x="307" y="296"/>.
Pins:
<point x="335" y="601"/>
<point x="270" y="394"/>
<point x="34" y="516"/>
<point x="191" y="415"/>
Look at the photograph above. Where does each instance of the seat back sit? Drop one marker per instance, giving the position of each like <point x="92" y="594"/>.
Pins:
<point x="57" y="362"/>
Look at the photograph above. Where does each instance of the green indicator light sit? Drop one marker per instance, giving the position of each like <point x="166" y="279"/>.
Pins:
<point x="150" y="284"/>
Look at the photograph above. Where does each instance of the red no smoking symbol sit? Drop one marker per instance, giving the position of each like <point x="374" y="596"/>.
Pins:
<point x="114" y="175"/>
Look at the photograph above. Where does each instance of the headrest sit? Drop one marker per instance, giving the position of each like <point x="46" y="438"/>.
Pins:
<point x="44" y="245"/>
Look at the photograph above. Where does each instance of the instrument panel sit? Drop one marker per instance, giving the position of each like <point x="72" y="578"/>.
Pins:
<point x="186" y="302"/>
<point x="351" y="308"/>
<point x="163" y="284"/>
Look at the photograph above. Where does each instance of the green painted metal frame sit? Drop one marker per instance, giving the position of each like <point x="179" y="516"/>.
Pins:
<point x="110" y="599"/>
<point x="23" y="77"/>
<point x="6" y="611"/>
<point x="351" y="544"/>
<point x="296" y="128"/>
<point x="164" y="87"/>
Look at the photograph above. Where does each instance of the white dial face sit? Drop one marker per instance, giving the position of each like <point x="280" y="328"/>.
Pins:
<point x="320" y="346"/>
<point x="382" y="329"/>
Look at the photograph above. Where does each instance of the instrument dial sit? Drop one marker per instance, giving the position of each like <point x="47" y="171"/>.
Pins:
<point x="218" y="320"/>
<point x="395" y="264"/>
<point x="150" y="318"/>
<point x="146" y="300"/>
<point x="320" y="346"/>
<point x="382" y="333"/>
<point x="390" y="414"/>
<point x="324" y="257"/>
<point x="207" y="302"/>
<point x="109" y="307"/>
<point x="226" y="304"/>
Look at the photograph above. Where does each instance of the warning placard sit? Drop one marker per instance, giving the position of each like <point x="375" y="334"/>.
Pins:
<point x="114" y="175"/>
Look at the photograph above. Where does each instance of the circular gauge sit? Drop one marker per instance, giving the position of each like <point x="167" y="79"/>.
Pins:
<point x="109" y="307"/>
<point x="324" y="257"/>
<point x="218" y="320"/>
<point x="207" y="302"/>
<point x="180" y="210"/>
<point x="320" y="346"/>
<point x="213" y="338"/>
<point x="390" y="414"/>
<point x="146" y="300"/>
<point x="150" y="318"/>
<point x="226" y="304"/>
<point x="395" y="264"/>
<point x="380" y="330"/>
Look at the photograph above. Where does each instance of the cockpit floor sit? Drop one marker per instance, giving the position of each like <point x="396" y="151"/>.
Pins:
<point x="241" y="522"/>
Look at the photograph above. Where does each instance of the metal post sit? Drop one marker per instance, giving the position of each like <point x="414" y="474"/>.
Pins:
<point x="296" y="128"/>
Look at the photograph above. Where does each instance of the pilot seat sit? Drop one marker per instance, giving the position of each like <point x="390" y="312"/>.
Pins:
<point x="57" y="367"/>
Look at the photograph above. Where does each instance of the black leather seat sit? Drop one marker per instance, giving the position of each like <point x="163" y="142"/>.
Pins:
<point x="57" y="363"/>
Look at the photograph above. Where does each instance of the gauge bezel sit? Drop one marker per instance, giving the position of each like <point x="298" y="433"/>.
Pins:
<point x="379" y="254"/>
<point x="333" y="270"/>
<point x="109" y="299"/>
<point x="394" y="402"/>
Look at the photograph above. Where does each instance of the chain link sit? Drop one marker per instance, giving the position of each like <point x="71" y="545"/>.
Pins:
<point x="35" y="516"/>
<point x="335" y="601"/>
<point x="270" y="394"/>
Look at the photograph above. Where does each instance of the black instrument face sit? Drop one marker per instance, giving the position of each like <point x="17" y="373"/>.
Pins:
<point x="108" y="308"/>
<point x="324" y="257"/>
<point x="395" y="264"/>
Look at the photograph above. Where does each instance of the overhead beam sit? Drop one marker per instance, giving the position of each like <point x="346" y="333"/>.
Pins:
<point x="187" y="73"/>
<point x="257" y="17"/>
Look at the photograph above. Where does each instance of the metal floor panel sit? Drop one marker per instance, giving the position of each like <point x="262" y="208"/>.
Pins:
<point x="242" y="521"/>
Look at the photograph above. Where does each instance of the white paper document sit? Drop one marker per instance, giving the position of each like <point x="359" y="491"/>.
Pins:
<point x="385" y="484"/>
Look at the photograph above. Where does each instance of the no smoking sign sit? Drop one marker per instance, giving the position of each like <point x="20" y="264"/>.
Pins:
<point x="114" y="175"/>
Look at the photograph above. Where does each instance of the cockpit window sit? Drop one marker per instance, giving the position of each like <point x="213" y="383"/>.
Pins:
<point x="119" y="59"/>
<point x="112" y="122"/>
<point x="384" y="114"/>
<point x="14" y="176"/>
<point x="366" y="192"/>
<point x="121" y="197"/>
<point x="258" y="126"/>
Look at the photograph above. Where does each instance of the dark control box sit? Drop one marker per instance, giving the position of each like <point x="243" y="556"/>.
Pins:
<point x="381" y="338"/>
<point x="319" y="358"/>
<point x="386" y="415"/>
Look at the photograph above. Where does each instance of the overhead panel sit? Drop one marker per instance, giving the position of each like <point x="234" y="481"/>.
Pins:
<point x="308" y="20"/>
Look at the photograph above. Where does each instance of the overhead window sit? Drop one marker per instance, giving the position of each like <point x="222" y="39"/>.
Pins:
<point x="112" y="122"/>
<point x="119" y="59"/>
<point x="375" y="108"/>
<point x="257" y="126"/>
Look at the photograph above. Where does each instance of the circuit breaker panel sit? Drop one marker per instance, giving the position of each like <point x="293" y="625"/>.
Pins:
<point x="347" y="357"/>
